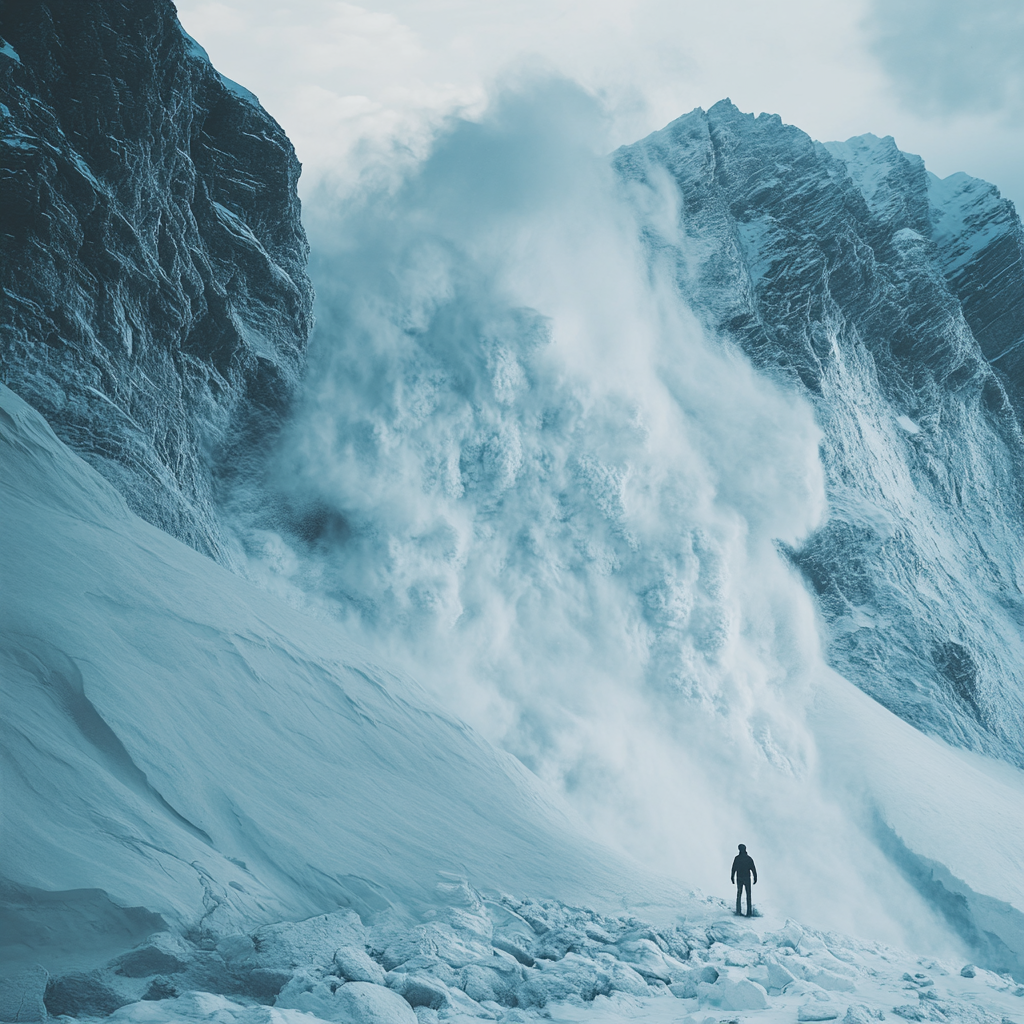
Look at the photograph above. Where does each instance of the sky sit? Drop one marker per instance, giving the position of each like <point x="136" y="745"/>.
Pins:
<point x="944" y="78"/>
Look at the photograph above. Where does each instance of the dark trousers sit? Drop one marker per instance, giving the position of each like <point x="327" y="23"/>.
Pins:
<point x="742" y="883"/>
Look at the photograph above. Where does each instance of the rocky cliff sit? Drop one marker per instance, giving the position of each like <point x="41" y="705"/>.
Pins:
<point x="155" y="304"/>
<point x="895" y="301"/>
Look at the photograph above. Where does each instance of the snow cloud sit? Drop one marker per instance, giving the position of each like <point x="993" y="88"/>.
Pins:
<point x="525" y="472"/>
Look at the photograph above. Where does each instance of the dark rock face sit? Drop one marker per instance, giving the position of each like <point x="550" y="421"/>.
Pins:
<point x="981" y="251"/>
<point x="895" y="302"/>
<point x="155" y="303"/>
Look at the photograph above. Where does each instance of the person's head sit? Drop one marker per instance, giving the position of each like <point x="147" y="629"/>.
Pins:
<point x="743" y="849"/>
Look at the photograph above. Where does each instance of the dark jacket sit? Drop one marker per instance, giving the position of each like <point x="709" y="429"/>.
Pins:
<point x="743" y="867"/>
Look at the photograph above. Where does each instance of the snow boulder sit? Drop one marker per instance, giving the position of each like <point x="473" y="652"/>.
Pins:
<point x="82" y="995"/>
<point x="354" y="1002"/>
<point x="194" y="1007"/>
<point x="789" y="935"/>
<point x="818" y="1007"/>
<point x="862" y="1014"/>
<point x="733" y="933"/>
<point x="354" y="964"/>
<point x="511" y="933"/>
<point x="687" y="984"/>
<point x="494" y="982"/>
<point x="623" y="977"/>
<point x="817" y="1011"/>
<point x="811" y="944"/>
<point x="778" y="976"/>
<point x="829" y="980"/>
<point x="374" y="1004"/>
<point x="314" y="941"/>
<point x="311" y="994"/>
<point x="438" y="939"/>
<point x="577" y="978"/>
<point x="264" y="984"/>
<point x="163" y="953"/>
<point x="739" y="993"/>
<point x="419" y="989"/>
<point x="651" y="962"/>
<point x="805" y="988"/>
<point x="21" y="996"/>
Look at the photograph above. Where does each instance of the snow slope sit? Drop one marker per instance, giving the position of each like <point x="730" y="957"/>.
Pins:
<point x="189" y="745"/>
<point x="178" y="742"/>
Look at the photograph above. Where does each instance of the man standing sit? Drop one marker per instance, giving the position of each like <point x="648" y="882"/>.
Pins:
<point x="742" y="869"/>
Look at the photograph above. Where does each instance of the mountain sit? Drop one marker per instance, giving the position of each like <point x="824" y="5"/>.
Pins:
<point x="155" y="305"/>
<point x="617" y="510"/>
<point x="895" y="302"/>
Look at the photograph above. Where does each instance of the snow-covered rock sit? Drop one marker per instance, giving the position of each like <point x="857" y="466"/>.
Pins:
<point x="889" y="298"/>
<point x="354" y="1002"/>
<point x="734" y="992"/>
<point x="353" y="964"/>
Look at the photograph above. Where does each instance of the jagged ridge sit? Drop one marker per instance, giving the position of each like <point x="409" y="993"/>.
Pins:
<point x="895" y="301"/>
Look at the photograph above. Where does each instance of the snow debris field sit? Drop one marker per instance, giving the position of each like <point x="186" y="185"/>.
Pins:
<point x="499" y="958"/>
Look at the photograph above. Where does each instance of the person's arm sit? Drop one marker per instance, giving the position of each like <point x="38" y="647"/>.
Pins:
<point x="753" y="871"/>
<point x="732" y="877"/>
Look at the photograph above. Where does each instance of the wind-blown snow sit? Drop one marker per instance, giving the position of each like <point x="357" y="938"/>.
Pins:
<point x="524" y="469"/>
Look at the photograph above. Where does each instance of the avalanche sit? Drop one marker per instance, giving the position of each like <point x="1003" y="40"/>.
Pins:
<point x="188" y="761"/>
<point x="690" y="477"/>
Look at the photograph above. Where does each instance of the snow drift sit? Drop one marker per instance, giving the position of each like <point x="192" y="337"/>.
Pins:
<point x="177" y="741"/>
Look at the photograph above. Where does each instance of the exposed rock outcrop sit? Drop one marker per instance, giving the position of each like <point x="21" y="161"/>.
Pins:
<point x="155" y="304"/>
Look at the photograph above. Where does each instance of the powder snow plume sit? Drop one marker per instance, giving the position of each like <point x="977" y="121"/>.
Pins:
<point x="523" y="467"/>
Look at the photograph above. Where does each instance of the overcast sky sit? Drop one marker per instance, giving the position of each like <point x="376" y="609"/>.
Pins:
<point x="944" y="77"/>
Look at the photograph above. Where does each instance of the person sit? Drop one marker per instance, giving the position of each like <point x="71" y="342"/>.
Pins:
<point x="742" y="870"/>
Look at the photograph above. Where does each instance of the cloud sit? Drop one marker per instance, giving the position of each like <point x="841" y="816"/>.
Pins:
<point x="946" y="57"/>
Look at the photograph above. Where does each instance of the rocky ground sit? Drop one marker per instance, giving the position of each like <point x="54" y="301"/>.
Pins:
<point x="499" y="958"/>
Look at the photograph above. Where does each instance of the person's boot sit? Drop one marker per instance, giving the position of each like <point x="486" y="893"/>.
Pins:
<point x="750" y="911"/>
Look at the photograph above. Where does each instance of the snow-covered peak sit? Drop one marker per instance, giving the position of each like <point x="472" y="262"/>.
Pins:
<point x="888" y="178"/>
<point x="197" y="52"/>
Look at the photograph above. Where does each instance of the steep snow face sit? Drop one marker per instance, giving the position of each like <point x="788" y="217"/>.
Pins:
<point x="177" y="741"/>
<point x="893" y="302"/>
<point x="981" y="246"/>
<point x="155" y="304"/>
